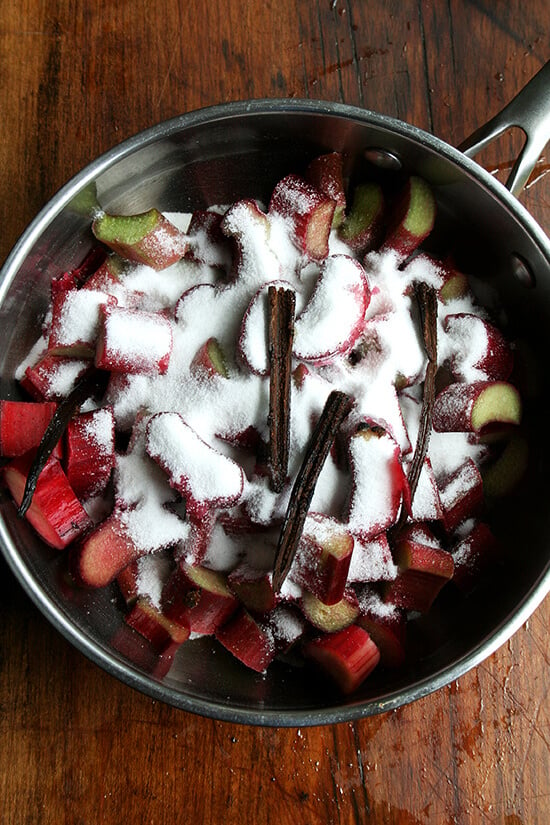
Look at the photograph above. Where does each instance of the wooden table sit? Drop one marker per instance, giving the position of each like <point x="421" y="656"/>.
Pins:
<point x="76" y="746"/>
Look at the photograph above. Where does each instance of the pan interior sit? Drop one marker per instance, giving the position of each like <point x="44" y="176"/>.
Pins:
<point x="241" y="152"/>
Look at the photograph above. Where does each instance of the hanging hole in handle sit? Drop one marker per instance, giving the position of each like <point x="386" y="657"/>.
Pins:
<point x="500" y="156"/>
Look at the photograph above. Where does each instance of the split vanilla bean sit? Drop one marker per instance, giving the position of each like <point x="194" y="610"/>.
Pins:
<point x="93" y="382"/>
<point x="336" y="409"/>
<point x="282" y="303"/>
<point x="427" y="301"/>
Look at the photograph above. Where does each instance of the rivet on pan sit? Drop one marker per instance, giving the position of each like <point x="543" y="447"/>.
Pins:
<point x="522" y="272"/>
<point x="384" y="159"/>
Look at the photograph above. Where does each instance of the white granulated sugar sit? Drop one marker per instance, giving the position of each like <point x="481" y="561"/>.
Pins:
<point x="372" y="561"/>
<point x="180" y="220"/>
<point x="224" y="551"/>
<point x="286" y="624"/>
<point x="32" y="357"/>
<point x="426" y="504"/>
<point x="78" y="318"/>
<point x="375" y="493"/>
<point x="447" y="451"/>
<point x="64" y="376"/>
<point x="330" y="322"/>
<point x="140" y="338"/>
<point x="100" y="429"/>
<point x="161" y="289"/>
<point x="371" y="604"/>
<point x="465" y="344"/>
<point x="207" y="475"/>
<point x="258" y="261"/>
<point x="152" y="573"/>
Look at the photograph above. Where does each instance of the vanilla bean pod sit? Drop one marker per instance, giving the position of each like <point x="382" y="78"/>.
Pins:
<point x="427" y="301"/>
<point x="336" y="409"/>
<point x="282" y="304"/>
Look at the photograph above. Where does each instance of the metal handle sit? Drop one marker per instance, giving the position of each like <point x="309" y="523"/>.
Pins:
<point x="530" y="111"/>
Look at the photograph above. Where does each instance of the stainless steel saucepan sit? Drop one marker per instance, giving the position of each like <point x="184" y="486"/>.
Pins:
<point x="217" y="155"/>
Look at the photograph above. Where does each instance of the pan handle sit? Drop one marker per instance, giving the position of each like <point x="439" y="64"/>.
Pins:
<point x="530" y="111"/>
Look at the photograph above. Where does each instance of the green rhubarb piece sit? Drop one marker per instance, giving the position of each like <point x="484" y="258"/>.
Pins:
<point x="421" y="212"/>
<point x="125" y="229"/>
<point x="366" y="208"/>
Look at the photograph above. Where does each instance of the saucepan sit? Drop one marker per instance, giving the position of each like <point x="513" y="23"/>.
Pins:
<point x="235" y="150"/>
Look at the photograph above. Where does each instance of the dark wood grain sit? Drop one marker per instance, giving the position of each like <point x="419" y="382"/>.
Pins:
<point x="76" y="746"/>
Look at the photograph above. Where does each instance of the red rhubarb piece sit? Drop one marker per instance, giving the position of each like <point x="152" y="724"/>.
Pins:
<point x="424" y="568"/>
<point x="101" y="556"/>
<point x="474" y="556"/>
<point x="326" y="174"/>
<point x="479" y="350"/>
<point x="363" y="227"/>
<point x="309" y="212"/>
<point x="198" y="598"/>
<point x="22" y="425"/>
<point x="210" y="360"/>
<point x="151" y="623"/>
<point x="252" y="587"/>
<point x="323" y="559"/>
<point x="53" y="377"/>
<point x="75" y="278"/>
<point x="254" y="261"/>
<point x="385" y="624"/>
<point x="90" y="451"/>
<point x="461" y="495"/>
<point x="249" y="641"/>
<point x="412" y="217"/>
<point x="330" y="617"/>
<point x="133" y="341"/>
<point x="347" y="656"/>
<point x="55" y="512"/>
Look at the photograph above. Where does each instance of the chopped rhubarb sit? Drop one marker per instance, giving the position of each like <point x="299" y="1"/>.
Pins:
<point x="385" y="624"/>
<point x="461" y="495"/>
<point x="75" y="322"/>
<point x="323" y="559"/>
<point x="198" y="598"/>
<point x="90" y="451"/>
<point x="249" y="641"/>
<point x="148" y="238"/>
<point x="101" y="556"/>
<point x="412" y="217"/>
<point x="423" y="570"/>
<point x="474" y="555"/>
<point x="330" y="617"/>
<point x="132" y="341"/>
<point x="55" y="512"/>
<point x="151" y="623"/>
<point x="309" y="212"/>
<point x="210" y="360"/>
<point x="478" y="407"/>
<point x="347" y="656"/>
<point x="378" y="482"/>
<point x="332" y="319"/>
<point x="326" y="174"/>
<point x="363" y="227"/>
<point x="52" y="377"/>
<point x="22" y="425"/>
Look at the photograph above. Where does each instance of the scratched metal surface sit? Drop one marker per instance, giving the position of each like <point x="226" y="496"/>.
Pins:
<point x="76" y="746"/>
